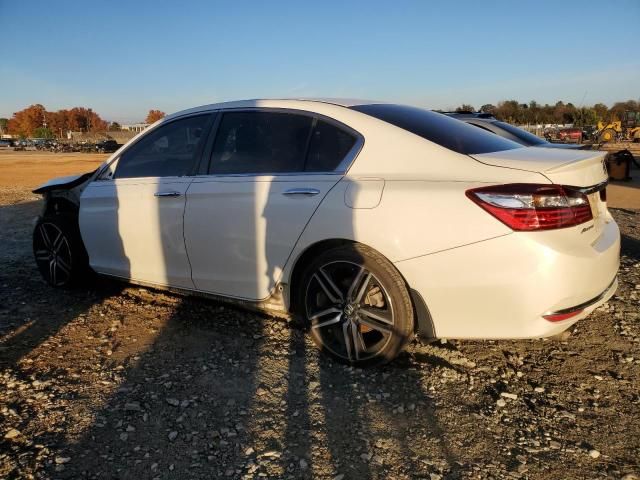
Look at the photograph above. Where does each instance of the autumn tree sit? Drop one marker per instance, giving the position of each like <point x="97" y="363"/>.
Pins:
<point x="154" y="115"/>
<point x="25" y="122"/>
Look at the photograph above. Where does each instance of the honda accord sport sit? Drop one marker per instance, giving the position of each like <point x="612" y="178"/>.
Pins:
<point x="371" y="222"/>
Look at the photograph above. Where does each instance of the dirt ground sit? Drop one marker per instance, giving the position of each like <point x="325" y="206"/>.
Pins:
<point x="115" y="382"/>
<point x="31" y="168"/>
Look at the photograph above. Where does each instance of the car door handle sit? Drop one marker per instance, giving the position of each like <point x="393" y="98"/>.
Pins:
<point x="167" y="194"/>
<point x="306" y="192"/>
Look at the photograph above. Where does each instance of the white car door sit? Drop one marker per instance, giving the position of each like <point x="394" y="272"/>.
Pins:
<point x="132" y="222"/>
<point x="268" y="173"/>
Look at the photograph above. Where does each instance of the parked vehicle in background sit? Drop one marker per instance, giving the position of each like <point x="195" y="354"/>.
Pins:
<point x="367" y="221"/>
<point x="24" y="144"/>
<point x="589" y="133"/>
<point x="488" y="122"/>
<point x="626" y="129"/>
<point x="569" y="135"/>
<point x="6" y="143"/>
<point x="107" y="146"/>
<point x="45" y="144"/>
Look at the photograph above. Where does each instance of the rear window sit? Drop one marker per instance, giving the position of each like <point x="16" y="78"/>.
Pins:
<point x="438" y="128"/>
<point x="528" y="138"/>
<point x="327" y="147"/>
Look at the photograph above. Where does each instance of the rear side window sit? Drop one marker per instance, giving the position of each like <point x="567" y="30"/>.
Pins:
<point x="170" y="150"/>
<point x="328" y="147"/>
<point x="260" y="142"/>
<point x="438" y="128"/>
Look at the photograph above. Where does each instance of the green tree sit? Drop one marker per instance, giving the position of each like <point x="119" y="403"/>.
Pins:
<point x="508" y="111"/>
<point x="465" y="107"/>
<point x="4" y="123"/>
<point x="617" y="111"/>
<point x="43" y="132"/>
<point x="585" y="116"/>
<point x="602" y="111"/>
<point x="114" y="126"/>
<point x="488" y="108"/>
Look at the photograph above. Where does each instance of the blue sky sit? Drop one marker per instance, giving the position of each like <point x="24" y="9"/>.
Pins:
<point x="123" y="58"/>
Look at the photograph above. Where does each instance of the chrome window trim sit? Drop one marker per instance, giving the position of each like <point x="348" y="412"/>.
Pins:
<point x="267" y="174"/>
<point x="146" y="132"/>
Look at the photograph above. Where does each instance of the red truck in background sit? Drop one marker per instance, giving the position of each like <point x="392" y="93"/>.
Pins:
<point x="569" y="135"/>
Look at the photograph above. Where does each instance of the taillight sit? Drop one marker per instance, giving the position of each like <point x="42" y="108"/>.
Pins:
<point x="530" y="207"/>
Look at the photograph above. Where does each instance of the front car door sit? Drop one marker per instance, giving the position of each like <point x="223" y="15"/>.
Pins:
<point x="132" y="221"/>
<point x="268" y="172"/>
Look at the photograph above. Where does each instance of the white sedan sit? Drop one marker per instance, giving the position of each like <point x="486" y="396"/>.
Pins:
<point x="370" y="221"/>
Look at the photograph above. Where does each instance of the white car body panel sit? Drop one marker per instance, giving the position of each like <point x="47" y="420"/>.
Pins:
<point x="131" y="233"/>
<point x="500" y="288"/>
<point x="403" y="196"/>
<point x="59" y="181"/>
<point x="240" y="230"/>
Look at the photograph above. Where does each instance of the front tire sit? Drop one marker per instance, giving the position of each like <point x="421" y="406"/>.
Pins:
<point x="59" y="252"/>
<point x="356" y="305"/>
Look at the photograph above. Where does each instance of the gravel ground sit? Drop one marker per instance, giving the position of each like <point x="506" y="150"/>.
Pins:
<point x="110" y="381"/>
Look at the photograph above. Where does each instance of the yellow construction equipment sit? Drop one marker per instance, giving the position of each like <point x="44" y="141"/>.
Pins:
<point x="626" y="129"/>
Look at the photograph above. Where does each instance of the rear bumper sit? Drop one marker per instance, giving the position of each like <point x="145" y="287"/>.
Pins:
<point x="501" y="288"/>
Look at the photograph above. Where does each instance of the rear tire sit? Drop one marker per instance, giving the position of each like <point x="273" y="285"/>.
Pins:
<point x="59" y="252"/>
<point x="356" y="305"/>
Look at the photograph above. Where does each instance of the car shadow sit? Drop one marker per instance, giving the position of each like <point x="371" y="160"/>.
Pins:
<point x="32" y="312"/>
<point x="220" y="392"/>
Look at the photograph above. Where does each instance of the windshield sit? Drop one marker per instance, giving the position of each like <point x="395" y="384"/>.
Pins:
<point x="438" y="128"/>
<point x="529" y="138"/>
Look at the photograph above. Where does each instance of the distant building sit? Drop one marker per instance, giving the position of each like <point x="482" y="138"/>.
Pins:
<point x="134" y="127"/>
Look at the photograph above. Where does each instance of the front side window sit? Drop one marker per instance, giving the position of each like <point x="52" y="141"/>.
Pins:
<point x="171" y="150"/>
<point x="260" y="143"/>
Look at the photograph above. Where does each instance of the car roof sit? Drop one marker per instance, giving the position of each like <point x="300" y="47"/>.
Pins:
<point x="273" y="102"/>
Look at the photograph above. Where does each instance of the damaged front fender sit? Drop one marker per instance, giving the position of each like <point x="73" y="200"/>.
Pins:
<point x="62" y="194"/>
<point x="64" y="183"/>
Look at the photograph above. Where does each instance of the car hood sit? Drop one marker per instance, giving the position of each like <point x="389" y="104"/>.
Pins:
<point x="63" y="183"/>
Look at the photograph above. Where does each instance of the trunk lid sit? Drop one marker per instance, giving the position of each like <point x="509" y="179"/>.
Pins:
<point x="579" y="168"/>
<point x="583" y="169"/>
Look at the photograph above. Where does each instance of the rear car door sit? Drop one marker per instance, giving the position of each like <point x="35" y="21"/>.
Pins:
<point x="131" y="217"/>
<point x="268" y="172"/>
